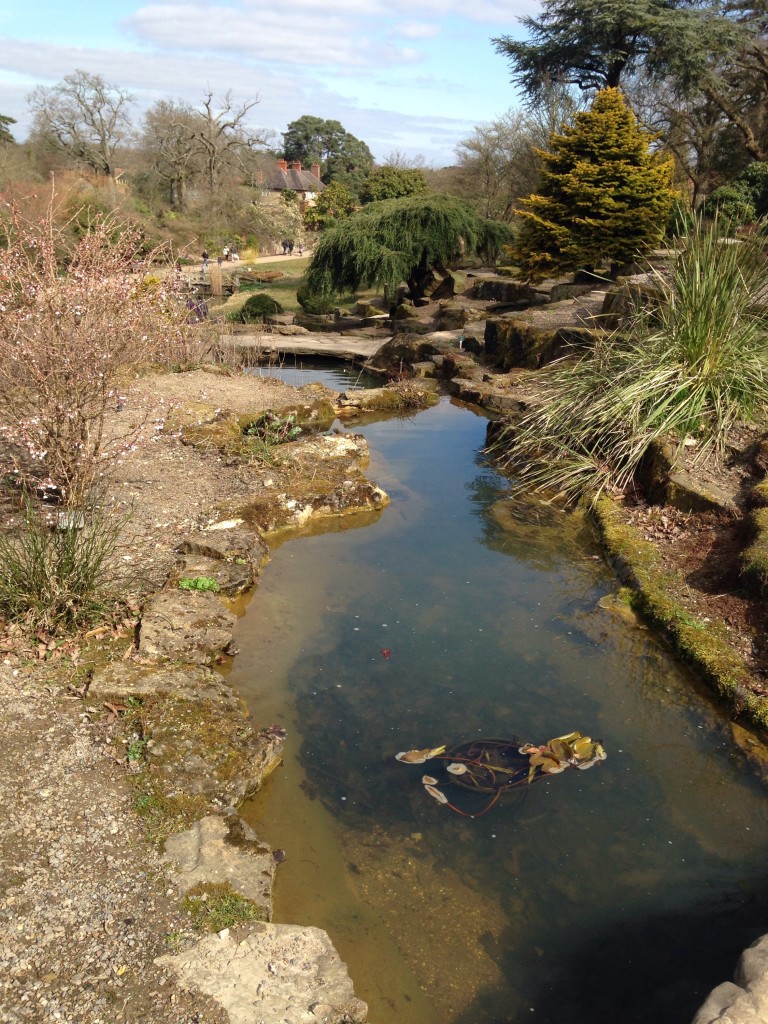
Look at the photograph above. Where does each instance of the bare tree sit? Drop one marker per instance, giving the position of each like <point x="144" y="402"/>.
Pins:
<point x="169" y="142"/>
<point x="221" y="137"/>
<point x="84" y="116"/>
<point x="497" y="165"/>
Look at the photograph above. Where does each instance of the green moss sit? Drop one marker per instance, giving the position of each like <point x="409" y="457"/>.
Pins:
<point x="193" y="753"/>
<point x="755" y="557"/>
<point x="216" y="905"/>
<point x="702" y="645"/>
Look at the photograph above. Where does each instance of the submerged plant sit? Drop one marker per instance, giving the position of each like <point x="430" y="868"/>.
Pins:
<point x="692" y="365"/>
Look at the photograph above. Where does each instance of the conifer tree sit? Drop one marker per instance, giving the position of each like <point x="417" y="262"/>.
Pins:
<point x="396" y="240"/>
<point x="604" y="197"/>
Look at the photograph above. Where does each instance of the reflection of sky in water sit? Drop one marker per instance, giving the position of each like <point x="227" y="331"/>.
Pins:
<point x="627" y="890"/>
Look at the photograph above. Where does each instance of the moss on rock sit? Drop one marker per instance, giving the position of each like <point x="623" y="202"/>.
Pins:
<point x="702" y="645"/>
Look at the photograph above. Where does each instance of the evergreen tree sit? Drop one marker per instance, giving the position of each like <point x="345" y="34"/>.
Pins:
<point x="604" y="198"/>
<point x="398" y="240"/>
<point x="389" y="182"/>
<point x="5" y="129"/>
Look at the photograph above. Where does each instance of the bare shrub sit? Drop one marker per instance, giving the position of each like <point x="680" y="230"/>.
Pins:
<point x="77" y="312"/>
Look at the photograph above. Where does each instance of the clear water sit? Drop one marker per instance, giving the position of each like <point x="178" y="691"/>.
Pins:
<point x="619" y="894"/>
<point x="334" y="374"/>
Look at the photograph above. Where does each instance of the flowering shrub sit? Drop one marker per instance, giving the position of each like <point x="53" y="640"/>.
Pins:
<point x="75" y="315"/>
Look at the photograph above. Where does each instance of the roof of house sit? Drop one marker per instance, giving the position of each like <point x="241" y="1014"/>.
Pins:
<point x="284" y="177"/>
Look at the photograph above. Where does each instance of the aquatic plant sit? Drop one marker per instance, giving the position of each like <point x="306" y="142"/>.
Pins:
<point x="492" y="767"/>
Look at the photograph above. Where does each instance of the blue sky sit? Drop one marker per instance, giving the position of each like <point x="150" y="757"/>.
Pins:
<point x="413" y="76"/>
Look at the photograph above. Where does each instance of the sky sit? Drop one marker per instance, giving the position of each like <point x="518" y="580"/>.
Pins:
<point x="408" y="76"/>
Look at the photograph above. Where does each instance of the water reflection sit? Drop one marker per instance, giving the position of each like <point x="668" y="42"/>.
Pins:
<point x="619" y="893"/>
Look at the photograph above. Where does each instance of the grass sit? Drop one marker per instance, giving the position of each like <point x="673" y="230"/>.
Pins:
<point x="57" y="574"/>
<point x="283" y="289"/>
<point x="693" y="365"/>
<point x="214" y="906"/>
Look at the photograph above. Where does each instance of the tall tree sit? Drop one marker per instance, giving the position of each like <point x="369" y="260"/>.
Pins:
<point x="604" y="197"/>
<point x="169" y="142"/>
<point x="399" y="240"/>
<point x="86" y="117"/>
<point x="497" y="165"/>
<point x="341" y="156"/>
<point x="589" y="43"/>
<point x="221" y="135"/>
<point x="5" y="131"/>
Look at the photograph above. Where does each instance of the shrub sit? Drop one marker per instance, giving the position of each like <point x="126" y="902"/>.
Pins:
<point x="317" y="303"/>
<point x="604" y="198"/>
<point x="694" y="365"/>
<point x="76" y="316"/>
<point x="257" y="309"/>
<point x="731" y="204"/>
<point x="754" y="180"/>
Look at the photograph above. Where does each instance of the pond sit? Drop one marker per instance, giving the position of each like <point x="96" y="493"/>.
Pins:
<point x="621" y="893"/>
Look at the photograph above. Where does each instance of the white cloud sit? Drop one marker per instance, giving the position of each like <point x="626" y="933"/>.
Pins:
<point x="284" y="95"/>
<point x="417" y="30"/>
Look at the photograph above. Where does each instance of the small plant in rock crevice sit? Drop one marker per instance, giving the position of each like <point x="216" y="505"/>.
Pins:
<point x="273" y="429"/>
<point x="215" y="906"/>
<point x="200" y="583"/>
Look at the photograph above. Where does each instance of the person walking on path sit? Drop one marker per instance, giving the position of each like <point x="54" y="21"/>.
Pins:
<point x="205" y="260"/>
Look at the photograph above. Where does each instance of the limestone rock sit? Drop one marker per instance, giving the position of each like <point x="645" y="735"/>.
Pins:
<point x="276" y="973"/>
<point x="233" y="557"/>
<point x="123" y="679"/>
<point x="223" y="849"/>
<point x="746" y="1000"/>
<point x="185" y="626"/>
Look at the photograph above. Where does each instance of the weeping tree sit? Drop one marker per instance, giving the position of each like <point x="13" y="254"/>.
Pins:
<point x="401" y="240"/>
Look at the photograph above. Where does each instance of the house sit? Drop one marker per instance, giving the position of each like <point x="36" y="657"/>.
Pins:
<point x="290" y="177"/>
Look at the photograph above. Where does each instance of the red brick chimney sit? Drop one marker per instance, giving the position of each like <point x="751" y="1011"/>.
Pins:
<point x="315" y="168"/>
<point x="296" y="165"/>
<point x="282" y="165"/>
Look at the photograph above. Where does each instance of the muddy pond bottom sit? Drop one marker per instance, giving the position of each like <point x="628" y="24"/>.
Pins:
<point x="625" y="892"/>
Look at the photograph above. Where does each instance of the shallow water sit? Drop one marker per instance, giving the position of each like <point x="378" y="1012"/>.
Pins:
<point x="621" y="893"/>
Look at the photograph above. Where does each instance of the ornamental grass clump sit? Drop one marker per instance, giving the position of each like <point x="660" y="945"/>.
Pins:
<point x="58" y="571"/>
<point x="690" y="367"/>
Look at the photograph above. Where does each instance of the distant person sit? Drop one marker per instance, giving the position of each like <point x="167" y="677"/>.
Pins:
<point x="205" y="260"/>
<point x="225" y="253"/>
<point x="290" y="248"/>
<point x="220" y="258"/>
<point x="301" y="248"/>
<point x="286" y="244"/>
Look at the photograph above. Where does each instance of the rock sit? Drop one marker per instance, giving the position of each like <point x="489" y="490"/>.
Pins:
<point x="515" y="342"/>
<point x="627" y="297"/>
<point x="231" y="577"/>
<point x="744" y="1001"/>
<point x="688" y="494"/>
<point x="192" y="682"/>
<point x="223" y="849"/>
<point x="498" y="289"/>
<point x="233" y="557"/>
<point x="276" y="973"/>
<point x="185" y="626"/>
